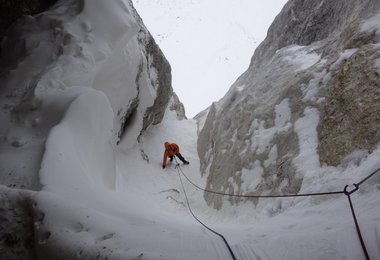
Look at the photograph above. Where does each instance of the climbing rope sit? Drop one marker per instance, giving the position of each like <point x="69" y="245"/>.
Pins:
<point x="261" y="196"/>
<point x="192" y="213"/>
<point x="345" y="192"/>
<point x="348" y="194"/>
<point x="369" y="176"/>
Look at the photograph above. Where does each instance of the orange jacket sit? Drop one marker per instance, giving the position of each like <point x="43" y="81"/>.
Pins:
<point x="171" y="149"/>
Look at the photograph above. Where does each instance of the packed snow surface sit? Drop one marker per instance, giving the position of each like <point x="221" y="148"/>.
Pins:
<point x="99" y="200"/>
<point x="145" y="212"/>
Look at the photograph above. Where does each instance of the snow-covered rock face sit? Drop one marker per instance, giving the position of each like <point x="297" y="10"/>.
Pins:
<point x="310" y="98"/>
<point x="44" y="56"/>
<point x="75" y="81"/>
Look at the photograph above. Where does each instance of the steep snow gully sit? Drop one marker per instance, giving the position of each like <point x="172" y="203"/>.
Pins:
<point x="87" y="106"/>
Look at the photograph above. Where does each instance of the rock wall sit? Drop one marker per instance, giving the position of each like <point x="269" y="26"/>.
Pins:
<point x="350" y="118"/>
<point x="317" y="60"/>
<point x="46" y="61"/>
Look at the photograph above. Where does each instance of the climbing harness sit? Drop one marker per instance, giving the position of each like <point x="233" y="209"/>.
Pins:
<point x="345" y="192"/>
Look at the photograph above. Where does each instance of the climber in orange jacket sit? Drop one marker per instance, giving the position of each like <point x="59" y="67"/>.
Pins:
<point x="171" y="150"/>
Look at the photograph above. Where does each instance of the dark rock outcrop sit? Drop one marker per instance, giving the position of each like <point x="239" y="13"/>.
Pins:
<point x="11" y="10"/>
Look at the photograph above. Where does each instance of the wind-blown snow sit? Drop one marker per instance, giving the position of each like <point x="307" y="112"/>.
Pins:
<point x="72" y="159"/>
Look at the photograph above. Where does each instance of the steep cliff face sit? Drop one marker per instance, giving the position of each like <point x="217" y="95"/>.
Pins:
<point x="64" y="56"/>
<point x="46" y="55"/>
<point x="310" y="96"/>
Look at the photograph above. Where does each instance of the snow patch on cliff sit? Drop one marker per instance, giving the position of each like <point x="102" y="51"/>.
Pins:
<point x="371" y="24"/>
<point x="301" y="56"/>
<point x="262" y="136"/>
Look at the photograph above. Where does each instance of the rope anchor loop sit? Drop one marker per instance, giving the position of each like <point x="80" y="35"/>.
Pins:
<point x="348" y="193"/>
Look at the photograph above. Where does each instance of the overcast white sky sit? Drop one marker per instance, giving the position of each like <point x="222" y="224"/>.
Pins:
<point x="209" y="43"/>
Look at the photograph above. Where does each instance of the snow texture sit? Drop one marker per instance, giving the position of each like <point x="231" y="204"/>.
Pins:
<point x="74" y="193"/>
